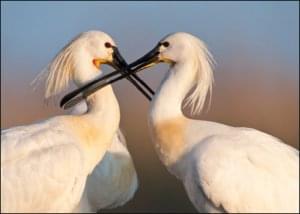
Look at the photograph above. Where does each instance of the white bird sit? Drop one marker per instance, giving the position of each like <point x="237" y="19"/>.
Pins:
<point x="223" y="168"/>
<point x="44" y="166"/>
<point x="113" y="181"/>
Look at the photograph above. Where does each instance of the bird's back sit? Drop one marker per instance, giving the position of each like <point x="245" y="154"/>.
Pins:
<point x="41" y="169"/>
<point x="242" y="170"/>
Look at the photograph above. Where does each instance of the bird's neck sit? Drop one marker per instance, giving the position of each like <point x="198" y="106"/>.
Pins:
<point x="167" y="103"/>
<point x="167" y="121"/>
<point x="102" y="105"/>
<point x="97" y="126"/>
<point x="103" y="114"/>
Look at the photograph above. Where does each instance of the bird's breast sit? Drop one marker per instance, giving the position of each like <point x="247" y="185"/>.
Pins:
<point x="94" y="139"/>
<point x="169" y="137"/>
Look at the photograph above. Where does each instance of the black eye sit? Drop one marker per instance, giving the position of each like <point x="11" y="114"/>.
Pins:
<point x="166" y="44"/>
<point x="107" y="45"/>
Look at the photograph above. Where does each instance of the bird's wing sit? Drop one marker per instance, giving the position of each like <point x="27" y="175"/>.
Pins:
<point x="114" y="180"/>
<point x="41" y="169"/>
<point x="246" y="171"/>
<point x="17" y="141"/>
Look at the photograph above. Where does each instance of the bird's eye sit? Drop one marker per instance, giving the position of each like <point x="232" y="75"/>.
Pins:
<point x="107" y="45"/>
<point x="166" y="44"/>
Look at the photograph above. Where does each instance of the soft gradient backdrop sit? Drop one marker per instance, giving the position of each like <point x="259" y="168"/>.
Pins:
<point x="255" y="44"/>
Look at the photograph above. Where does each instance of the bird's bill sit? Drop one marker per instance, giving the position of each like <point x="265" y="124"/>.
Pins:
<point x="122" y="67"/>
<point x="118" y="61"/>
<point x="148" y="60"/>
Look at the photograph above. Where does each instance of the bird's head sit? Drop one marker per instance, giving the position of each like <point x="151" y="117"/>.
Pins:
<point x="80" y="61"/>
<point x="175" y="48"/>
<point x="178" y="49"/>
<point x="101" y="49"/>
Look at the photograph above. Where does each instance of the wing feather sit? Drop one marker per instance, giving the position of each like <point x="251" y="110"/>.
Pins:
<point x="239" y="173"/>
<point x="41" y="169"/>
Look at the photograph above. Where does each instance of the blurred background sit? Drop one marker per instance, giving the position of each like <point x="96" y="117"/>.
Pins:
<point x="255" y="45"/>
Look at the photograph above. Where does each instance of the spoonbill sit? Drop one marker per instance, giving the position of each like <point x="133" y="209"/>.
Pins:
<point x="114" y="180"/>
<point x="44" y="166"/>
<point x="223" y="168"/>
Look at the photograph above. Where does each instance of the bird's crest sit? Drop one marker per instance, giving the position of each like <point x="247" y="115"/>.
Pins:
<point x="204" y="64"/>
<point x="58" y="73"/>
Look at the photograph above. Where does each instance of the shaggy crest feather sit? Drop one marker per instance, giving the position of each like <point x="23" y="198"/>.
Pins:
<point x="59" y="72"/>
<point x="204" y="63"/>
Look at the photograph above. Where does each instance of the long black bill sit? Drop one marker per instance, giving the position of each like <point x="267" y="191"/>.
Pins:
<point x="142" y="63"/>
<point x="147" y="60"/>
<point x="119" y="63"/>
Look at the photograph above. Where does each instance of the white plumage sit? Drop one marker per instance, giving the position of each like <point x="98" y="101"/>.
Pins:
<point x="113" y="181"/>
<point x="223" y="168"/>
<point x="44" y="166"/>
<point x="41" y="168"/>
